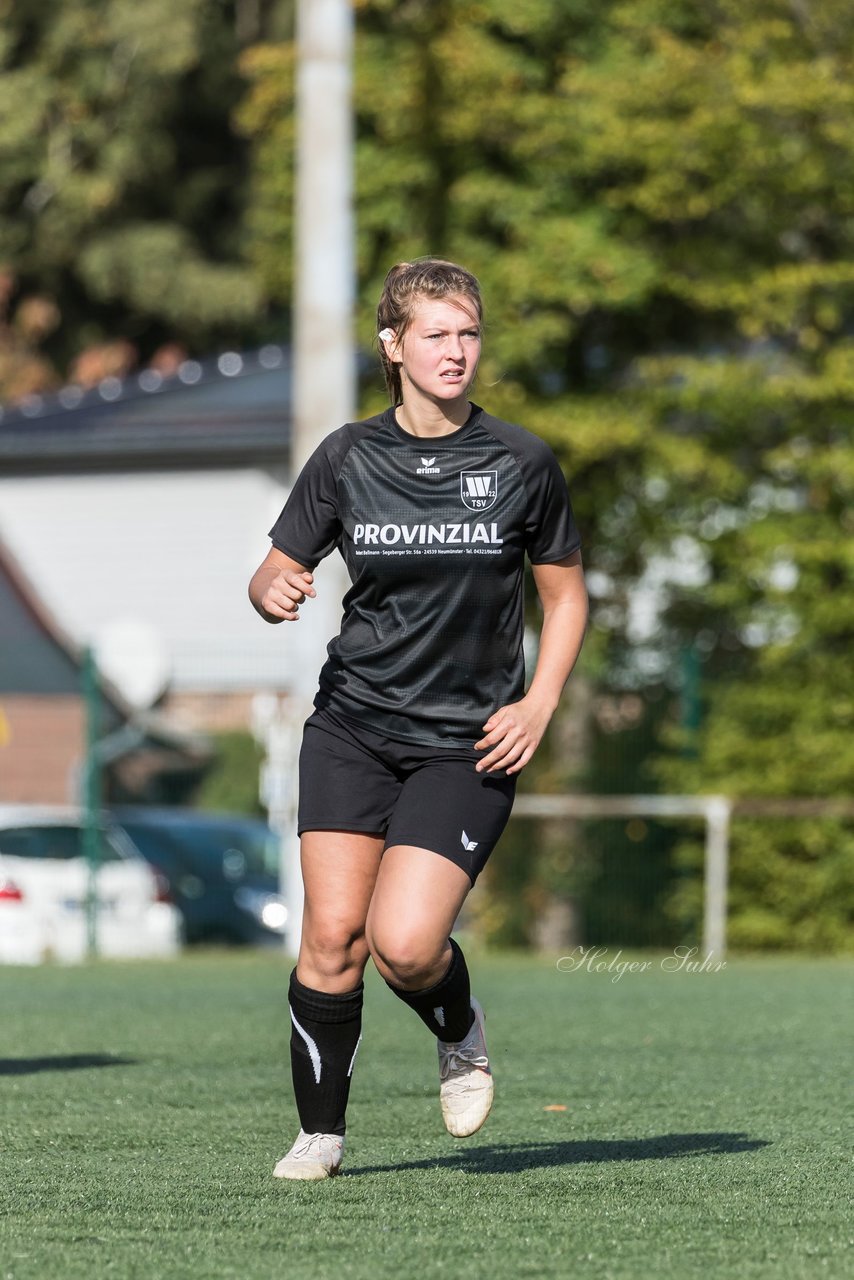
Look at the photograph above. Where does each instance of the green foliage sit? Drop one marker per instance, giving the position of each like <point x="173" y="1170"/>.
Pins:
<point x="784" y="728"/>
<point x="266" y="116"/>
<point x="155" y="268"/>
<point x="231" y="786"/>
<point x="122" y="197"/>
<point x="790" y="886"/>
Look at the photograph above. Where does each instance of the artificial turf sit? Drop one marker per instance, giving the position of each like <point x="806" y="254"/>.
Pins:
<point x="144" y="1106"/>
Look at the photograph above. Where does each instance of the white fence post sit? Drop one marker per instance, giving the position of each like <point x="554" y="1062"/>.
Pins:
<point x="717" y="811"/>
<point x="718" y="814"/>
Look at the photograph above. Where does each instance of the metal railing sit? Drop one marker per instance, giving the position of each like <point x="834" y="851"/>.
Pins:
<point x="717" y="812"/>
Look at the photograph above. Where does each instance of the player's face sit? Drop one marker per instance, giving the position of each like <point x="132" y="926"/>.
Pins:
<point x="440" y="349"/>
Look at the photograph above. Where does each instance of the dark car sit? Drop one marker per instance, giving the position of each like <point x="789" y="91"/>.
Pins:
<point x="222" y="871"/>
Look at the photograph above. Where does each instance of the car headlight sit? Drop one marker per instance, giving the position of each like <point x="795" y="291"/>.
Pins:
<point x="267" y="908"/>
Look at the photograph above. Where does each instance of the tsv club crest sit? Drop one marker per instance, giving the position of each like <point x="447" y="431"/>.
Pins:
<point x="479" y="489"/>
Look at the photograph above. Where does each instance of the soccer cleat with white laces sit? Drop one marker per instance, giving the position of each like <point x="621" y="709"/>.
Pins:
<point x="466" y="1087"/>
<point x="312" y="1157"/>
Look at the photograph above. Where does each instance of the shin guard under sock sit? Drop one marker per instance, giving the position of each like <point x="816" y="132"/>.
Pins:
<point x="325" y="1034"/>
<point x="446" y="1007"/>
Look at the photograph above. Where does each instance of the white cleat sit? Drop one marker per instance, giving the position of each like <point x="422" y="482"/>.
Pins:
<point x="312" y="1157"/>
<point x="466" y="1087"/>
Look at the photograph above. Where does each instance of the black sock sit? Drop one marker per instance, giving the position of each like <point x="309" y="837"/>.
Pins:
<point x="325" y="1034"/>
<point x="446" y="1007"/>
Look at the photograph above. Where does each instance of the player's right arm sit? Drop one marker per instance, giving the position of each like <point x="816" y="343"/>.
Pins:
<point x="278" y="587"/>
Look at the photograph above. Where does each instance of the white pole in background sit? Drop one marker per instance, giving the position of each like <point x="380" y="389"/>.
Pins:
<point x="718" y="815"/>
<point x="324" y="357"/>
<point x="324" y="392"/>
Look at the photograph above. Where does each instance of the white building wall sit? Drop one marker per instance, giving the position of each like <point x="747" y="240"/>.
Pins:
<point x="173" y="550"/>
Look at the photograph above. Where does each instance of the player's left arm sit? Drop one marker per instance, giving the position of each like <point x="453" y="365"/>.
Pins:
<point x="513" y="733"/>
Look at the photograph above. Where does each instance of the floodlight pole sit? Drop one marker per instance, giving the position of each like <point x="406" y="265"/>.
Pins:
<point x="324" y="392"/>
<point x="324" y="358"/>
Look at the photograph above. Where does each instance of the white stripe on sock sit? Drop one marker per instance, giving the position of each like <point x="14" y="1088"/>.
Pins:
<point x="355" y="1051"/>
<point x="439" y="1014"/>
<point x="314" y="1052"/>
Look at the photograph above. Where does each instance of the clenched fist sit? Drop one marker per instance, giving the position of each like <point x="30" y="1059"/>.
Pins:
<point x="277" y="591"/>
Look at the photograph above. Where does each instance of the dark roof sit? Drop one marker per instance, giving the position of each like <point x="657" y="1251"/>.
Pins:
<point x="234" y="408"/>
<point x="33" y="655"/>
<point x="36" y="656"/>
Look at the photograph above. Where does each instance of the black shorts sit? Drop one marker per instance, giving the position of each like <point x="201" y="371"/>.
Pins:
<point x="355" y="779"/>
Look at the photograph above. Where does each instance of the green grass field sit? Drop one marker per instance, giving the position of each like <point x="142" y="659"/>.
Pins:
<point x="144" y="1106"/>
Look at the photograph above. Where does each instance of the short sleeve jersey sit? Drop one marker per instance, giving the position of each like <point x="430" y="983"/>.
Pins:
<point x="434" y="535"/>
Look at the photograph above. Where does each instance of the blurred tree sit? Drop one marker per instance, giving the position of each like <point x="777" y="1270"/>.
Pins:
<point x="123" y="196"/>
<point x="231" y="785"/>
<point x="23" y="370"/>
<point x="752" y="408"/>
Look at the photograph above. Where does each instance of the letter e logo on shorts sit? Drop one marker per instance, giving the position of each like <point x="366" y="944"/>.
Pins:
<point x="478" y="489"/>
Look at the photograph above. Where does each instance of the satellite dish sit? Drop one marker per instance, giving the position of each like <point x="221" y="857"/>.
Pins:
<point x="133" y="657"/>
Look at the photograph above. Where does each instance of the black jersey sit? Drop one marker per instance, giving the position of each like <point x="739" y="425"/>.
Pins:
<point x="434" y="534"/>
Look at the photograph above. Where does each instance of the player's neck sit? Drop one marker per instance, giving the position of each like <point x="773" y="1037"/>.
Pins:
<point x="429" y="420"/>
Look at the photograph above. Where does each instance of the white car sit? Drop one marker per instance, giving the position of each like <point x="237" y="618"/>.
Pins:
<point x="44" y="886"/>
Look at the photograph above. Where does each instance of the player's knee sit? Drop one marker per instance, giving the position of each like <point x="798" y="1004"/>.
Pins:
<point x="406" y="959"/>
<point x="333" y="948"/>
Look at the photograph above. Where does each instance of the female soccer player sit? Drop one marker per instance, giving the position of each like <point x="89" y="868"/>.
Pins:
<point x="409" y="762"/>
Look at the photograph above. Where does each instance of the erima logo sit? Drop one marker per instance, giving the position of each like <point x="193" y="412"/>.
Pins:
<point x="427" y="468"/>
<point x="452" y="535"/>
<point x="478" y="489"/>
<point x="468" y="845"/>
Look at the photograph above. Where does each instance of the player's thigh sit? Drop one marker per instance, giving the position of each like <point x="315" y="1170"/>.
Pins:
<point x="343" y="785"/>
<point x="339" y="872"/>
<point x="416" y="899"/>
<point x="446" y="823"/>
<point x="346" y="795"/>
<point x="446" y="806"/>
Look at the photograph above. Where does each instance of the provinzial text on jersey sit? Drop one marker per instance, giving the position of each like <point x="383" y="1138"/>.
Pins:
<point x="425" y="534"/>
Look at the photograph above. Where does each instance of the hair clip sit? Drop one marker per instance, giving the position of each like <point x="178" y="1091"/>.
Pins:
<point x="386" y="335"/>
